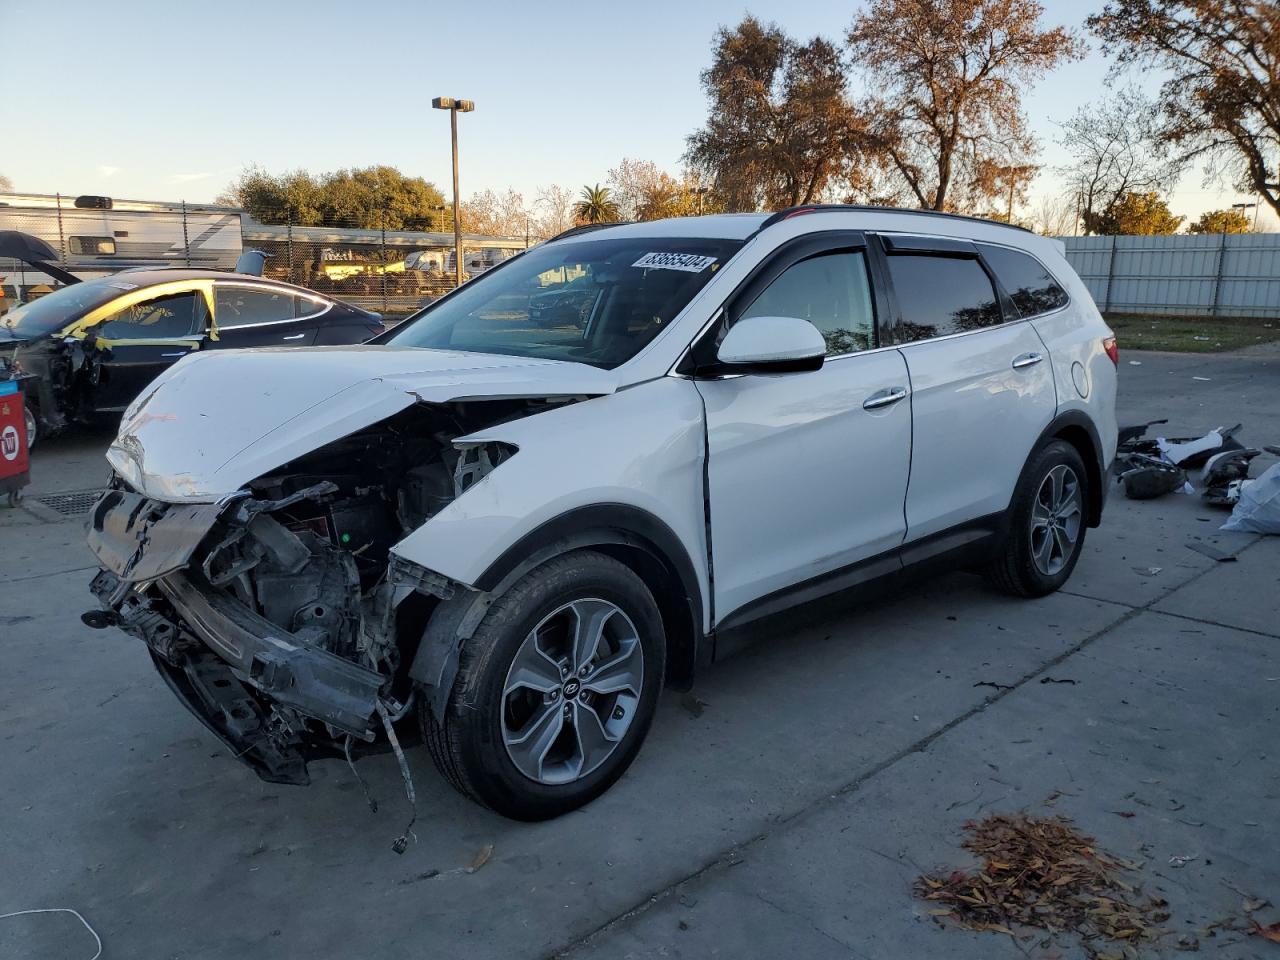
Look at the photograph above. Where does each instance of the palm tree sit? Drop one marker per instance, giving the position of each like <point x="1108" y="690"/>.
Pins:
<point x="596" y="205"/>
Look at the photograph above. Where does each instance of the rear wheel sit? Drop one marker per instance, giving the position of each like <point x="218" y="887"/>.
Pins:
<point x="33" y="426"/>
<point x="1046" y="524"/>
<point x="555" y="690"/>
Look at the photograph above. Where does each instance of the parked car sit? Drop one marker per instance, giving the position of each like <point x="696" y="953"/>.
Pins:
<point x="94" y="346"/>
<point x="521" y="533"/>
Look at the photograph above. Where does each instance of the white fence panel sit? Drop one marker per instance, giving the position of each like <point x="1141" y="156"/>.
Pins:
<point x="1235" y="275"/>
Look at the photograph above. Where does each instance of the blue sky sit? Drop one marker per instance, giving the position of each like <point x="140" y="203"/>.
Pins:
<point x="171" y="100"/>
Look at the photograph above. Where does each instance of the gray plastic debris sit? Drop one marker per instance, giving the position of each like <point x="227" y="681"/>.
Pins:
<point x="1258" y="510"/>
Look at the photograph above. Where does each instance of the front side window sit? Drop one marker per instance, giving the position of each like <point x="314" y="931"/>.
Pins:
<point x="159" y="319"/>
<point x="591" y="301"/>
<point x="939" y="296"/>
<point x="243" y="306"/>
<point x="1030" y="286"/>
<point x="832" y="292"/>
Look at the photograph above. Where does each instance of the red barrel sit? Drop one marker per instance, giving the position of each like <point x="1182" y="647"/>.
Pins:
<point x="13" y="439"/>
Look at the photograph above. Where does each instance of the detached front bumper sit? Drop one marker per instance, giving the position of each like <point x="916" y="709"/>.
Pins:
<point x="250" y="682"/>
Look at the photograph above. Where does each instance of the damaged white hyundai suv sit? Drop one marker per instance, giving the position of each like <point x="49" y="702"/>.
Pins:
<point x="576" y="478"/>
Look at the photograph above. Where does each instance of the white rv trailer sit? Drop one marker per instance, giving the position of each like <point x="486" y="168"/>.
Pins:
<point x="95" y="236"/>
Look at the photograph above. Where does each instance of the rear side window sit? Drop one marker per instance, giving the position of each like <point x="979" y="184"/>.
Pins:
<point x="306" y="307"/>
<point x="1030" y="286"/>
<point x="939" y="296"/>
<point x="246" y="306"/>
<point x="832" y="292"/>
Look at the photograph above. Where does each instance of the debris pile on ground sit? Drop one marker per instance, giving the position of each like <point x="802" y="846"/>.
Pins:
<point x="1042" y="873"/>
<point x="1152" y="467"/>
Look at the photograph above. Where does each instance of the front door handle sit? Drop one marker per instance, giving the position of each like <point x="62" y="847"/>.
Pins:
<point x="1026" y="360"/>
<point x="885" y="397"/>
<point x="296" y="336"/>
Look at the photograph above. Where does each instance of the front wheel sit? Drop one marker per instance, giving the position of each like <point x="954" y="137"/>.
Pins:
<point x="1046" y="524"/>
<point x="555" y="690"/>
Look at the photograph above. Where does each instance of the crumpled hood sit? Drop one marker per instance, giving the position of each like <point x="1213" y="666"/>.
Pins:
<point x="214" y="421"/>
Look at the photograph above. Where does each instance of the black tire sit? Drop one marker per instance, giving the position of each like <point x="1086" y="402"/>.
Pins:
<point x="1015" y="570"/>
<point x="468" y="746"/>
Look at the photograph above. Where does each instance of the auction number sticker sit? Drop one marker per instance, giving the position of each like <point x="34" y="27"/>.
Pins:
<point x="688" y="262"/>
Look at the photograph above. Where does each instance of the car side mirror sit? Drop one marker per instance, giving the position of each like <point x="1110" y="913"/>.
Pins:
<point x="772" y="345"/>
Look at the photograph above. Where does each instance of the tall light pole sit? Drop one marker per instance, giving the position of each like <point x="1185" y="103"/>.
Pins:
<point x="1242" y="207"/>
<point x="700" y="192"/>
<point x="455" y="106"/>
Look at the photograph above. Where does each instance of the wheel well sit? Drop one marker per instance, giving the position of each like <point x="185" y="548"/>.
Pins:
<point x="1079" y="438"/>
<point x="679" y="621"/>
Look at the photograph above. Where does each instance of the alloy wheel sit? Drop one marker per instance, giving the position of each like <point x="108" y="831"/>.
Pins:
<point x="572" y="691"/>
<point x="1056" y="516"/>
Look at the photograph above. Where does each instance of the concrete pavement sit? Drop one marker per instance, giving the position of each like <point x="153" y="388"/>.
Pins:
<point x="824" y="772"/>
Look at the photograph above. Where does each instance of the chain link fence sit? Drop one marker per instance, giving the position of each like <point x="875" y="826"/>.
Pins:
<point x="392" y="272"/>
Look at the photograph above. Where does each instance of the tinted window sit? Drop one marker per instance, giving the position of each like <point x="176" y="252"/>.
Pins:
<point x="163" y="317"/>
<point x="1030" y="286"/>
<point x="942" y="295"/>
<point x="832" y="292"/>
<point x="241" y="306"/>
<point x="306" y="307"/>
<point x="590" y="301"/>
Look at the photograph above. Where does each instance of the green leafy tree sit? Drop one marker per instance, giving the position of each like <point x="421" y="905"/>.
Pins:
<point x="1136" y="214"/>
<point x="596" y="205"/>
<point x="1221" y="221"/>
<point x="781" y="129"/>
<point x="370" y="198"/>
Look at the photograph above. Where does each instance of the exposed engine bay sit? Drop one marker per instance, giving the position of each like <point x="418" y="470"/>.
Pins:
<point x="66" y="373"/>
<point x="279" y="615"/>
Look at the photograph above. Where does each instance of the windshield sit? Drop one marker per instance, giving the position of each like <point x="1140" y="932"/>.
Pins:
<point x="54" y="311"/>
<point x="594" y="301"/>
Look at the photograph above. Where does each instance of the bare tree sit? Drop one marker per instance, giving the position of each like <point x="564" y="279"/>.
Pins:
<point x="1116" y="150"/>
<point x="6" y="184"/>
<point x="1055" y="216"/>
<point x="1222" y="98"/>
<point x="554" y="208"/>
<point x="496" y="214"/>
<point x="780" y="129"/>
<point x="949" y="74"/>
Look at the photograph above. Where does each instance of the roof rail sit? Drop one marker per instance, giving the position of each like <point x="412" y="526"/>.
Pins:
<point x="790" y="212"/>
<point x="587" y="228"/>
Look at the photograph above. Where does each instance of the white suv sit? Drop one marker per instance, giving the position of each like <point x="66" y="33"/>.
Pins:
<point x="522" y="526"/>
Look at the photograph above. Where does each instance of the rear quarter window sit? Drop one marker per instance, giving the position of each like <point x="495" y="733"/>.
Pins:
<point x="1031" y="287"/>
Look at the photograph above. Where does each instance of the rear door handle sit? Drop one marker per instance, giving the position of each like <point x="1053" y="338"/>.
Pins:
<point x="296" y="336"/>
<point x="1026" y="360"/>
<point x="180" y="353"/>
<point x="885" y="397"/>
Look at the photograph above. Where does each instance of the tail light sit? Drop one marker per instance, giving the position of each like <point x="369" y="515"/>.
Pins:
<point x="1109" y="345"/>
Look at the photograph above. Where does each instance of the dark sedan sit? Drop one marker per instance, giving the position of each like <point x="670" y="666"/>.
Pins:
<point x="92" y="347"/>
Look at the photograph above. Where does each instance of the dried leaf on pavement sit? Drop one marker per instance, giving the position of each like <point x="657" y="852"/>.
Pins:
<point x="481" y="858"/>
<point x="1270" y="932"/>
<point x="1042" y="872"/>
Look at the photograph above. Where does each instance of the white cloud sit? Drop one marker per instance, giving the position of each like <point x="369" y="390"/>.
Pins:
<point x="188" y="177"/>
<point x="108" y="171"/>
